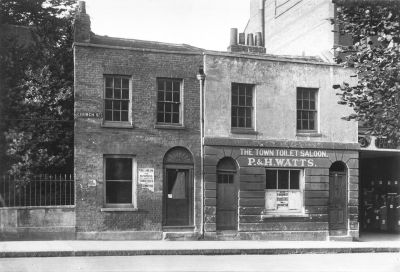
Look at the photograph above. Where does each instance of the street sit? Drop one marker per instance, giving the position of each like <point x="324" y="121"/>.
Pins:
<point x="283" y="263"/>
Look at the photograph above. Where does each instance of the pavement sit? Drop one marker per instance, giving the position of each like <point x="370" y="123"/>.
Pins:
<point x="73" y="248"/>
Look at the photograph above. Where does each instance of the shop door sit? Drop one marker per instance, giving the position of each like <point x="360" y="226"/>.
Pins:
<point x="177" y="197"/>
<point x="227" y="198"/>
<point x="337" y="203"/>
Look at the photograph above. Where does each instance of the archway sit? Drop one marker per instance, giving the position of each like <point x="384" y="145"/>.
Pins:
<point x="227" y="195"/>
<point x="178" y="188"/>
<point x="337" y="208"/>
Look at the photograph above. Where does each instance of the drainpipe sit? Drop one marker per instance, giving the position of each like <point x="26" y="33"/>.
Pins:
<point x="201" y="77"/>
<point x="262" y="21"/>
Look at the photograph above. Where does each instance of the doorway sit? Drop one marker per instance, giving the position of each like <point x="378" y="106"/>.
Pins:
<point x="178" y="188"/>
<point x="227" y="195"/>
<point x="337" y="208"/>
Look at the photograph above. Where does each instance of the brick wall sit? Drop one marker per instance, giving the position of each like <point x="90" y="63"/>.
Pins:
<point x="147" y="143"/>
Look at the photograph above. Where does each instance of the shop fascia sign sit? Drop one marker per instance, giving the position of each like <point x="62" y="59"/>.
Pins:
<point x="268" y="157"/>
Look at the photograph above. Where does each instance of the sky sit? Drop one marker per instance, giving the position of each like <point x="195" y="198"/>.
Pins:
<point x="202" y="23"/>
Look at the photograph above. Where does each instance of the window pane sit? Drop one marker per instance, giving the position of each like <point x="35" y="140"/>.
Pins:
<point x="176" y="86"/>
<point x="160" y="84"/>
<point x="241" y="122"/>
<point x="306" y="105"/>
<point x="109" y="82"/>
<point x="168" y="117"/>
<point x="125" y="105"/>
<point x="242" y="100"/>
<point x="249" y="101"/>
<point x="109" y="93"/>
<point x="160" y="117"/>
<point x="175" y="118"/>
<point x="299" y="104"/>
<point x="108" y="115"/>
<point x="234" y="121"/>
<point x="116" y="116"/>
<point x="294" y="179"/>
<point x="304" y="124"/>
<point x="248" y="112"/>
<point x="125" y="83"/>
<point x="124" y="115"/>
<point x="235" y="100"/>
<point x="270" y="179"/>
<point x="312" y="105"/>
<point x="118" y="169"/>
<point x="160" y="96"/>
<point x="116" y="105"/>
<point x="108" y="104"/>
<point x="169" y="86"/>
<point x="241" y="112"/>
<point x="175" y="108"/>
<point x="176" y="97"/>
<point x="160" y="107"/>
<point x="168" y="107"/>
<point x="248" y="122"/>
<point x="168" y="96"/>
<point x="283" y="179"/>
<point x="125" y="94"/>
<point x="118" y="192"/>
<point x="117" y="82"/>
<point x="117" y="93"/>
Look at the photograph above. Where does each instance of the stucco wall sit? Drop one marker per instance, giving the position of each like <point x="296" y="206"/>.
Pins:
<point x="275" y="97"/>
<point x="37" y="223"/>
<point x="304" y="29"/>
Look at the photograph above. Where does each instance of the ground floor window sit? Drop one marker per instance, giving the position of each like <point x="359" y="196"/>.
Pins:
<point x="120" y="179"/>
<point x="284" y="190"/>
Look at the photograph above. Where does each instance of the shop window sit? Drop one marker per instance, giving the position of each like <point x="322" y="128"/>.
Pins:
<point x="306" y="109"/>
<point x="284" y="190"/>
<point x="169" y="106"/>
<point x="242" y="106"/>
<point x="120" y="181"/>
<point x="117" y="99"/>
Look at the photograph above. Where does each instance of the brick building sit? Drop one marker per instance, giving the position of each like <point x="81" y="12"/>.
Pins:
<point x="137" y="137"/>
<point x="178" y="142"/>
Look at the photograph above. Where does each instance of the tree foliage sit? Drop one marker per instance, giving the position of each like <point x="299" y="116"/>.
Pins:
<point x="375" y="56"/>
<point x="37" y="85"/>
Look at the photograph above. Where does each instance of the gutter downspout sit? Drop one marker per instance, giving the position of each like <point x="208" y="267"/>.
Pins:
<point x="262" y="3"/>
<point x="201" y="77"/>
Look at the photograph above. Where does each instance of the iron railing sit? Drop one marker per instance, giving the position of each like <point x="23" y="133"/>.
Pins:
<point x="41" y="190"/>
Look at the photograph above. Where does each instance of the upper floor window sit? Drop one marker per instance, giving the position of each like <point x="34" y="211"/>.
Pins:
<point x="307" y="109"/>
<point x="169" y="106"/>
<point x="242" y="105"/>
<point x="116" y="99"/>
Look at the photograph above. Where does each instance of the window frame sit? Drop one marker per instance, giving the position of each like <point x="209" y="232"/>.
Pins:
<point x="294" y="212"/>
<point x="181" y="106"/>
<point x="133" y="204"/>
<point x="316" y="111"/>
<point x="244" y="128"/>
<point x="113" y="123"/>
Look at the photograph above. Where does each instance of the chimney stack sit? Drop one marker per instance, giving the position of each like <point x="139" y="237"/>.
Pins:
<point x="82" y="24"/>
<point x="242" y="38"/>
<point x="259" y="41"/>
<point x="250" y="39"/>
<point x="234" y="33"/>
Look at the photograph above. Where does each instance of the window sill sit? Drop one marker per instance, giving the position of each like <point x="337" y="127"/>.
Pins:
<point x="162" y="126"/>
<point x="281" y="215"/>
<point x="250" y="131"/>
<point x="308" y="134"/>
<point x="116" y="125"/>
<point x="115" y="209"/>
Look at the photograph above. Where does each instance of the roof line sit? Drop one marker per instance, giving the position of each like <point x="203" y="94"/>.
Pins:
<point x="267" y="57"/>
<point x="136" y="49"/>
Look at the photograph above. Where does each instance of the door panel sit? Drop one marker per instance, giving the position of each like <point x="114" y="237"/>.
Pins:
<point x="337" y="201"/>
<point x="227" y="202"/>
<point x="177" y="197"/>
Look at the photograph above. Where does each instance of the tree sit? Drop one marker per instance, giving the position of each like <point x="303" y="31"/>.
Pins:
<point x="375" y="55"/>
<point x="37" y="86"/>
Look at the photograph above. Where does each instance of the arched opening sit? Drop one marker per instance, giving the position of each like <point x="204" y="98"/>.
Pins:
<point x="227" y="194"/>
<point x="178" y="188"/>
<point x="337" y="199"/>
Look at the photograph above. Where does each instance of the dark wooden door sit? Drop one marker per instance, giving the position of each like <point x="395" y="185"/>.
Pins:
<point x="337" y="203"/>
<point x="227" y="198"/>
<point x="177" y="197"/>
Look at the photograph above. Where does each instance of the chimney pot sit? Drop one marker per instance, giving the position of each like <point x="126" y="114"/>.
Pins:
<point x="234" y="34"/>
<point x="82" y="7"/>
<point x="242" y="38"/>
<point x="259" y="41"/>
<point x="250" y="39"/>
